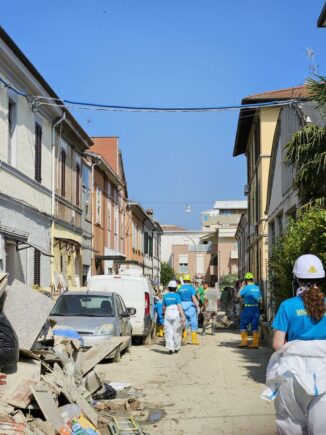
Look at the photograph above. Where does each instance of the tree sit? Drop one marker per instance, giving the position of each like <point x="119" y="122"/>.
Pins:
<point x="306" y="235"/>
<point x="306" y="152"/>
<point x="227" y="280"/>
<point x="167" y="273"/>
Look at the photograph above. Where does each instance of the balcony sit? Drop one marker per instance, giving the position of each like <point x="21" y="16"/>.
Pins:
<point x="200" y="248"/>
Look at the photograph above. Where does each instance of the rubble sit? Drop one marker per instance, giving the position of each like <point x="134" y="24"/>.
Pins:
<point x="51" y="388"/>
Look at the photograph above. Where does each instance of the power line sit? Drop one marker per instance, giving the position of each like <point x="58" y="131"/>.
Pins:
<point x="39" y="100"/>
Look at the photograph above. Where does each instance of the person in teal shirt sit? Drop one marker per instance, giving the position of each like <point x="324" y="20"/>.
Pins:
<point x="296" y="372"/>
<point x="252" y="298"/>
<point x="190" y="307"/>
<point x="174" y="318"/>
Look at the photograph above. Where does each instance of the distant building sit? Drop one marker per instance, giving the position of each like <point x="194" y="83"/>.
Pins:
<point x="186" y="252"/>
<point x="222" y="221"/>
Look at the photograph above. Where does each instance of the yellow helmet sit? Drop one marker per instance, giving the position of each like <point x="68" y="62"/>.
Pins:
<point x="248" y="276"/>
<point x="187" y="277"/>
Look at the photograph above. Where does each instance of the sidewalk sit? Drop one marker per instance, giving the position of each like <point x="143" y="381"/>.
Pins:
<point x="213" y="388"/>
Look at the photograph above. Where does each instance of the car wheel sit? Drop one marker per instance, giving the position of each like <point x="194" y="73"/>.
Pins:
<point x="117" y="356"/>
<point x="148" y="339"/>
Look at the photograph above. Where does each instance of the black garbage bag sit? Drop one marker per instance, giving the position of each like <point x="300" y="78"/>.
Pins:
<point x="9" y="347"/>
<point x="106" y="393"/>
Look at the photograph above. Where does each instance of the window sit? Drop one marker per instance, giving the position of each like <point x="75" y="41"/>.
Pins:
<point x="280" y="224"/>
<point x="38" y="152"/>
<point x="146" y="239"/>
<point x="200" y="264"/>
<point x="12" y="122"/>
<point x="63" y="172"/>
<point x="183" y="263"/>
<point x="109" y="218"/>
<point x="37" y="267"/>
<point x="98" y="205"/>
<point x="272" y="232"/>
<point x="86" y="190"/>
<point x="77" y="184"/>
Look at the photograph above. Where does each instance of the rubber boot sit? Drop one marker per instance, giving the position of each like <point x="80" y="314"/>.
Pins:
<point x="255" y="341"/>
<point x="184" y="336"/>
<point x="244" y="339"/>
<point x="194" y="338"/>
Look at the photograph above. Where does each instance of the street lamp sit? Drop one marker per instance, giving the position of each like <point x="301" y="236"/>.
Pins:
<point x="190" y="238"/>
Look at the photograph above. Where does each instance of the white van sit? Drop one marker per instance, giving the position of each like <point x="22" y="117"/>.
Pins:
<point x="137" y="292"/>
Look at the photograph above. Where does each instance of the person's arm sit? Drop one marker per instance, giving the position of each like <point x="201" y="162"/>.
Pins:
<point x="182" y="314"/>
<point x="163" y="307"/>
<point x="278" y="339"/>
<point x="195" y="301"/>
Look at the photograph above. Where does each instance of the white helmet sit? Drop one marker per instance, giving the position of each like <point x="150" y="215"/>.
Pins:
<point x="173" y="284"/>
<point x="308" y="266"/>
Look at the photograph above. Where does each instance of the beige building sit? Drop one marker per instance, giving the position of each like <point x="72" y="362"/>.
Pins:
<point x="222" y="221"/>
<point x="188" y="254"/>
<point x="256" y="133"/>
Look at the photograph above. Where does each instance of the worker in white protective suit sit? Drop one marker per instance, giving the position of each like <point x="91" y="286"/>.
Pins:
<point x="174" y="318"/>
<point x="296" y="374"/>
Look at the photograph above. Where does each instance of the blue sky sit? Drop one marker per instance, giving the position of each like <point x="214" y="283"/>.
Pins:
<point x="169" y="53"/>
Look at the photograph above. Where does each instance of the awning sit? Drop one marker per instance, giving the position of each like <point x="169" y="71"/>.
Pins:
<point x="13" y="233"/>
<point x="88" y="248"/>
<point x="110" y="257"/>
<point x="26" y="245"/>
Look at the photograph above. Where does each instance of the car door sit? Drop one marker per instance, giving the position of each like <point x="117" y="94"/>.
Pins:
<point x="125" y="320"/>
<point x="119" y="312"/>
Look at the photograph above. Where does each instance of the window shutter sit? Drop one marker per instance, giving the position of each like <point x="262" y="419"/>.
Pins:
<point x="37" y="267"/>
<point x="63" y="173"/>
<point x="38" y="152"/>
<point x="77" y="184"/>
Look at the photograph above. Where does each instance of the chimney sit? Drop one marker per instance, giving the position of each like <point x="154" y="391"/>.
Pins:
<point x="150" y="212"/>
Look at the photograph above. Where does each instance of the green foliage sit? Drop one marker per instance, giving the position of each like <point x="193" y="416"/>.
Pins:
<point x="306" y="152"/>
<point x="167" y="273"/>
<point x="306" y="235"/>
<point x="227" y="280"/>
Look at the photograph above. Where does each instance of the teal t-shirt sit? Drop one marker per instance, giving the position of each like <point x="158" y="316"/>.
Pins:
<point x="251" y="294"/>
<point x="171" y="299"/>
<point x="293" y="319"/>
<point x="186" y="292"/>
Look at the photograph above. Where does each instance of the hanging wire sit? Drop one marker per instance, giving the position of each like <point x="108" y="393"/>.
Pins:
<point x="39" y="100"/>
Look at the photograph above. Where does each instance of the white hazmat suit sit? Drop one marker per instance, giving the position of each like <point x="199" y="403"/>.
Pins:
<point x="172" y="328"/>
<point x="296" y="379"/>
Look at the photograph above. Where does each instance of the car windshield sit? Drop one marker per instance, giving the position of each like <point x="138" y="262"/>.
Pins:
<point x="83" y="305"/>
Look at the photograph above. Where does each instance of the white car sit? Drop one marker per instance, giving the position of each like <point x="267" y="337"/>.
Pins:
<point x="137" y="292"/>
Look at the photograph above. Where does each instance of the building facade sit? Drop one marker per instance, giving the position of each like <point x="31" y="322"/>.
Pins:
<point x="187" y="253"/>
<point x="222" y="221"/>
<point x="255" y="136"/>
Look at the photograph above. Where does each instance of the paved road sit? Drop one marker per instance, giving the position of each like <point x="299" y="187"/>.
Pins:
<point x="213" y="388"/>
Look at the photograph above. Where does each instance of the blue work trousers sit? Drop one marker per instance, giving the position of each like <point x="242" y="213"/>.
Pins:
<point x="190" y="311"/>
<point x="249" y="315"/>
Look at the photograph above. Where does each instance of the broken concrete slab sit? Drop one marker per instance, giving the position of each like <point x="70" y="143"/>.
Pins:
<point x="18" y="387"/>
<point x="100" y="351"/>
<point x="27" y="310"/>
<point x="47" y="405"/>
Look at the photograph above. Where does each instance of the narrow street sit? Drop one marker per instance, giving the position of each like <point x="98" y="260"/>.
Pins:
<point x="208" y="389"/>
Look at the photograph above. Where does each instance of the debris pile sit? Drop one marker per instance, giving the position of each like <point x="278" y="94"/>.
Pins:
<point x="53" y="387"/>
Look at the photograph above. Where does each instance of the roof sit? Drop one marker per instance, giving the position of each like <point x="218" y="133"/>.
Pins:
<point x="322" y="17"/>
<point x="246" y="116"/>
<point x="105" y="167"/>
<point x="172" y="227"/>
<point x="278" y="95"/>
<point x="31" y="68"/>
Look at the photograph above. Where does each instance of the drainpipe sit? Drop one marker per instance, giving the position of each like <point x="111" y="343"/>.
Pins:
<point x="93" y="211"/>
<point x="60" y="120"/>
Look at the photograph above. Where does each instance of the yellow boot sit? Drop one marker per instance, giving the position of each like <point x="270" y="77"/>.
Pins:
<point x="184" y="336"/>
<point x="244" y="339"/>
<point x="255" y="341"/>
<point x="194" y="338"/>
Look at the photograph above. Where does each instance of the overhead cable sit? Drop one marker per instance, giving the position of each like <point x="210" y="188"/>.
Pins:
<point x="39" y="100"/>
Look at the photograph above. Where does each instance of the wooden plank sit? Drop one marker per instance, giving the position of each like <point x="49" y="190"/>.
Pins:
<point x="47" y="405"/>
<point x="98" y="352"/>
